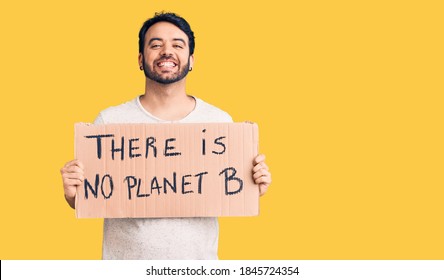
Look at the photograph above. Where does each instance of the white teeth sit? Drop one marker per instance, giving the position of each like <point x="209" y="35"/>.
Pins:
<point x="166" y="64"/>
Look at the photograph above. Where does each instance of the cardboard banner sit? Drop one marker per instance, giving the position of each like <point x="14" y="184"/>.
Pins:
<point x="167" y="170"/>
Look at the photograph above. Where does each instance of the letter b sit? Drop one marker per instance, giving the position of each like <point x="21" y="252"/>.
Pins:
<point x="231" y="177"/>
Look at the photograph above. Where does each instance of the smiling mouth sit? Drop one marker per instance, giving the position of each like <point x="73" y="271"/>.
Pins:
<point x="166" y="64"/>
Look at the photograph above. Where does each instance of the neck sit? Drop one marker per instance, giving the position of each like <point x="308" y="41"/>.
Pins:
<point x="168" y="102"/>
<point x="161" y="91"/>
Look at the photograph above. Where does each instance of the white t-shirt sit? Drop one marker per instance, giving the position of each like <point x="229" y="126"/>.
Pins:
<point x="160" y="238"/>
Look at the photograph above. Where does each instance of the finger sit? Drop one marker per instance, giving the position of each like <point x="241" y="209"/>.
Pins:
<point x="71" y="163"/>
<point x="71" y="169"/>
<point x="260" y="165"/>
<point x="77" y="176"/>
<point x="263" y="180"/>
<point x="67" y="183"/>
<point x="259" y="158"/>
<point x="263" y="189"/>
<point x="74" y="162"/>
<point x="260" y="173"/>
<point x="80" y="164"/>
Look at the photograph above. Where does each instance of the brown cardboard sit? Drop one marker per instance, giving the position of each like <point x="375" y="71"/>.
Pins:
<point x="138" y="186"/>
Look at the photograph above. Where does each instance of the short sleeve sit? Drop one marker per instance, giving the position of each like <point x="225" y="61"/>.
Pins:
<point x="99" y="120"/>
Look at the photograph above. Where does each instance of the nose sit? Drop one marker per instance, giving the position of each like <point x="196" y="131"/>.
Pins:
<point x="166" y="50"/>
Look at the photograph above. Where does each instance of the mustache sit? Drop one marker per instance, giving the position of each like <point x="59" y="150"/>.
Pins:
<point x="164" y="59"/>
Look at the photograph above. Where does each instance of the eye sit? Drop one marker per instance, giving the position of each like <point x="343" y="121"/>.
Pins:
<point x="155" y="46"/>
<point x="178" y="46"/>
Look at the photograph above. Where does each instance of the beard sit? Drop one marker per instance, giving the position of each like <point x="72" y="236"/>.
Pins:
<point x="165" y="81"/>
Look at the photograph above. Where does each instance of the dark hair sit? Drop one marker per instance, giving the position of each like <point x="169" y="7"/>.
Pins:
<point x="173" y="18"/>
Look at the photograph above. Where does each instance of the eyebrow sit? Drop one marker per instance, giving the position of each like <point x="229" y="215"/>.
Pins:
<point x="160" y="39"/>
<point x="180" y="39"/>
<point x="153" y="39"/>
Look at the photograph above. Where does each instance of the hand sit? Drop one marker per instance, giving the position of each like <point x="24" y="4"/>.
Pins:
<point x="72" y="175"/>
<point x="261" y="175"/>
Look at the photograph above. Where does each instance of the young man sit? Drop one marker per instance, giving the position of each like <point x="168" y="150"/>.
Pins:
<point x="166" y="48"/>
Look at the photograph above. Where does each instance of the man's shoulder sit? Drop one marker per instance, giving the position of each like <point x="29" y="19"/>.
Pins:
<point x="127" y="106"/>
<point x="124" y="113"/>
<point x="212" y="113"/>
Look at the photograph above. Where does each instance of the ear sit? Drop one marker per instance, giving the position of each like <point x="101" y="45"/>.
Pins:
<point x="140" y="59"/>
<point x="192" y="61"/>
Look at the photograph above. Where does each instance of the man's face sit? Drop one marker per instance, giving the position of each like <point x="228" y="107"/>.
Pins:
<point x="166" y="58"/>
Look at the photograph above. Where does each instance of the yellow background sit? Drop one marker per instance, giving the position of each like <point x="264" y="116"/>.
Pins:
<point x="348" y="96"/>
